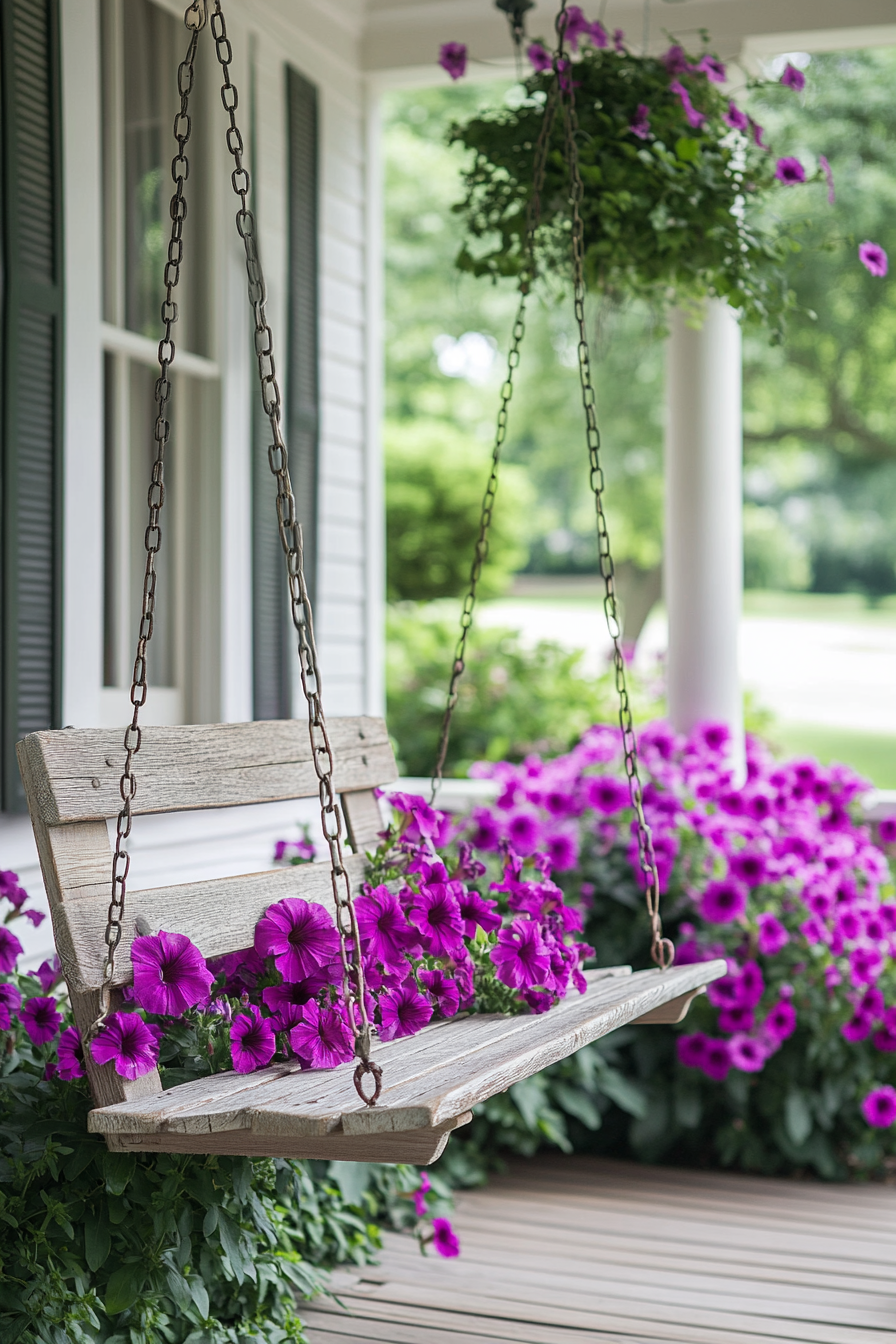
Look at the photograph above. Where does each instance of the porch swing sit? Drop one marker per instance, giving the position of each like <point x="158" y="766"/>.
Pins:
<point x="401" y="1105"/>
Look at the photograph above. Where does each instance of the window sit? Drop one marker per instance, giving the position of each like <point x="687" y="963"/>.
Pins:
<point x="142" y="46"/>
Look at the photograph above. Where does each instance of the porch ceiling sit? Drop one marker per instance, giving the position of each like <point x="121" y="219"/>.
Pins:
<point x="400" y="35"/>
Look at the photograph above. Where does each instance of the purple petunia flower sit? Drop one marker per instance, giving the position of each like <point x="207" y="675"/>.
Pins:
<point x="10" y="889"/>
<point x="40" y="1020"/>
<point x="442" y="990"/>
<point x="47" y="974"/>
<point x="487" y="836"/>
<point x="286" y="1001"/>
<point x="829" y="178"/>
<point x="723" y="901"/>
<point x="576" y="25"/>
<point x="873" y="258"/>
<point x="793" y="78"/>
<point x="886" y="829"/>
<point x="858" y="1028"/>
<point x="747" y="1053"/>
<point x="562" y="849"/>
<point x="695" y="118"/>
<point x="70" y="1055"/>
<point x="758" y="133"/>
<point x="599" y="35"/>
<point x="301" y="937"/>
<point x="36" y="917"/>
<point x="128" y="1043"/>
<point x="523" y="831"/>
<point x="385" y="932"/>
<point x="252" y="1040"/>
<point x="692" y="1049"/>
<point x="403" y="1012"/>
<point x="10" y="950"/>
<point x="879" y="1107"/>
<point x="865" y="965"/>
<point x="170" y="974"/>
<point x="772" y="934"/>
<point x="749" y="866"/>
<point x="606" y="794"/>
<point x="436" y="914"/>
<point x="790" y="171"/>
<point x="675" y="60"/>
<point x="539" y="57"/>
<point x="477" y="912"/>
<point x="521" y="958"/>
<point x="712" y="68"/>
<point x="444" y="1238"/>
<point x="737" y="120"/>
<point x="739" y="1018"/>
<point x="10" y="1002"/>
<point x="322" y="1039"/>
<point x="717" y="1060"/>
<point x="641" y="123"/>
<point x="619" y="39"/>
<point x="780" y="1021"/>
<point x="453" y="58"/>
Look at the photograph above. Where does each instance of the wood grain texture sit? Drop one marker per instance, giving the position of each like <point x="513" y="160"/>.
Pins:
<point x="363" y="820"/>
<point x="428" y="1079"/>
<point x="420" y="1146"/>
<point x="219" y="915"/>
<point x="74" y="773"/>
<point x="583" y="1251"/>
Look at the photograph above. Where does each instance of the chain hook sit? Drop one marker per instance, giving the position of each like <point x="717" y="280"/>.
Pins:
<point x="196" y="16"/>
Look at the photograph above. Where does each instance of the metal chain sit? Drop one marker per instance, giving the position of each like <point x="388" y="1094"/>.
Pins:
<point x="480" y="552"/>
<point x="662" y="949"/>
<point x="152" y="538"/>
<point x="300" y="606"/>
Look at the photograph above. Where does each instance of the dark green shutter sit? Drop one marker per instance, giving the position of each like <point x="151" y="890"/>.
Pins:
<point x="31" y="374"/>
<point x="273" y="643"/>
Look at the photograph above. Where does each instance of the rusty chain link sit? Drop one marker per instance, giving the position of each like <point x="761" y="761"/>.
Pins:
<point x="662" y="949"/>
<point x="480" y="552"/>
<point x="196" y="18"/>
<point x="152" y="537"/>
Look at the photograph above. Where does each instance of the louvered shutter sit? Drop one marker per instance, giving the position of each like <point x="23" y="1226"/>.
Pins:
<point x="31" y="374"/>
<point x="273" y="642"/>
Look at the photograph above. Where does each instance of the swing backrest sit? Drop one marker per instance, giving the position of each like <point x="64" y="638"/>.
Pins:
<point x="71" y="780"/>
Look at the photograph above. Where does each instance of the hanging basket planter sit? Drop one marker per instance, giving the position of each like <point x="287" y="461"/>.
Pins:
<point x="678" y="182"/>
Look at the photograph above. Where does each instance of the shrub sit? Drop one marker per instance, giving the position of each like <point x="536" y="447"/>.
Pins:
<point x="435" y="481"/>
<point x="513" y="699"/>
<point x="779" y="1067"/>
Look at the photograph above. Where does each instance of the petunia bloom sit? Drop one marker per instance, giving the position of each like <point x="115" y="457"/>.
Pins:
<point x="737" y="120"/>
<point x="780" y="1021"/>
<point x="403" y="1012"/>
<point x="478" y="913"/>
<point x="539" y="57"/>
<point x="444" y="1239"/>
<point x="607" y="795"/>
<point x="170" y="974"/>
<point x="723" y="901"/>
<point x="692" y="1049"/>
<point x="793" y="78"/>
<point x="599" y="35"/>
<point x="442" y="990"/>
<point x="10" y="1002"/>
<point x="299" y="936"/>
<point x="695" y="118"/>
<point x="385" y="932"/>
<point x="436" y="914"/>
<point x="286" y="1001"/>
<point x="873" y="258"/>
<point x="521" y="958"/>
<point x="10" y="950"/>
<point x="641" y="124"/>
<point x="772" y="934"/>
<point x="70" y="1062"/>
<point x="790" y="171"/>
<point x="252" y="1040"/>
<point x="675" y="60"/>
<point x="322" y="1038"/>
<point x="128" y="1043"/>
<point x="879" y="1107"/>
<point x="40" y="1020"/>
<point x="47" y="974"/>
<point x="747" y="1053"/>
<point x="10" y="889"/>
<point x="575" y="25"/>
<point x="453" y="58"/>
<point x="712" y="68"/>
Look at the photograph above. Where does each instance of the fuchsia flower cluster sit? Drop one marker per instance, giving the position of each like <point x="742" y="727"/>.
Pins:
<point x="779" y="875"/>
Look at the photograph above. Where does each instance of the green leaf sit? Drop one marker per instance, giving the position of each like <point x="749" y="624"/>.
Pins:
<point x="687" y="149"/>
<point x="576" y="1102"/>
<point x="353" y="1179"/>
<point x="230" y="1243"/>
<point x="118" y="1168"/>
<point x="627" y="1095"/>
<point x="179" y="1289"/>
<point x="10" y="1330"/>
<point x="199" y="1294"/>
<point x="210" y="1221"/>
<point x="97" y="1239"/>
<point x="797" y="1117"/>
<point x="123" y="1288"/>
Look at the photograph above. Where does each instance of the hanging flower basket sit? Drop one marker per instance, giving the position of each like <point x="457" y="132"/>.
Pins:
<point x="678" y="181"/>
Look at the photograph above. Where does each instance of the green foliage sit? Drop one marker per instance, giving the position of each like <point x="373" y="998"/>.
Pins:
<point x="512" y="699"/>
<point x="435" y="480"/>
<point x="672" y="218"/>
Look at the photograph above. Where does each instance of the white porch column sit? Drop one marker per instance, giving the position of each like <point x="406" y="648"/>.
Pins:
<point x="703" y="563"/>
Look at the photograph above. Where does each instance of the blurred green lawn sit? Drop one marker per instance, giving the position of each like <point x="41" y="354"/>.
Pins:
<point x="871" y="754"/>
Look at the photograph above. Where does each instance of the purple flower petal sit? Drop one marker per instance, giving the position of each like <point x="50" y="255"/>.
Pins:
<point x="873" y="258"/>
<point x="322" y="1039"/>
<point x="70" y="1055"/>
<point x="539" y="57"/>
<point x="252" y="1041"/>
<point x="301" y="937"/>
<point x="793" y="78"/>
<point x="790" y="171"/>
<point x="403" y="1012"/>
<point x="170" y="974"/>
<point x="453" y="58"/>
<point x="40" y="1020"/>
<point x="128" y="1043"/>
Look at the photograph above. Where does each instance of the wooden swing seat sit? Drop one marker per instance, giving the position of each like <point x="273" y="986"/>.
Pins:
<point x="430" y="1081"/>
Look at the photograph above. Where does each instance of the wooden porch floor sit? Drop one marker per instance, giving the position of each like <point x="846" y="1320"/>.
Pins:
<point x="580" y="1251"/>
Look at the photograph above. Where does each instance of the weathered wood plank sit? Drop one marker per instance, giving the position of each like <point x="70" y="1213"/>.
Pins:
<point x="75" y="772"/>
<point x="363" y="819"/>
<point x="219" y="915"/>
<point x="419" y="1147"/>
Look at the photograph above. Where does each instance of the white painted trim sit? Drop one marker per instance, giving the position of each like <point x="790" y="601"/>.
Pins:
<point x="82" y="474"/>
<point x="756" y="49"/>
<point x="374" y="468"/>
<point x="146" y="351"/>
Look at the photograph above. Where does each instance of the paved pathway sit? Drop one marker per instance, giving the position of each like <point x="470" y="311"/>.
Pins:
<point x="579" y="1251"/>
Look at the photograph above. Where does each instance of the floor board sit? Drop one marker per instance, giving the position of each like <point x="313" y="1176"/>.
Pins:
<point x="582" y="1251"/>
